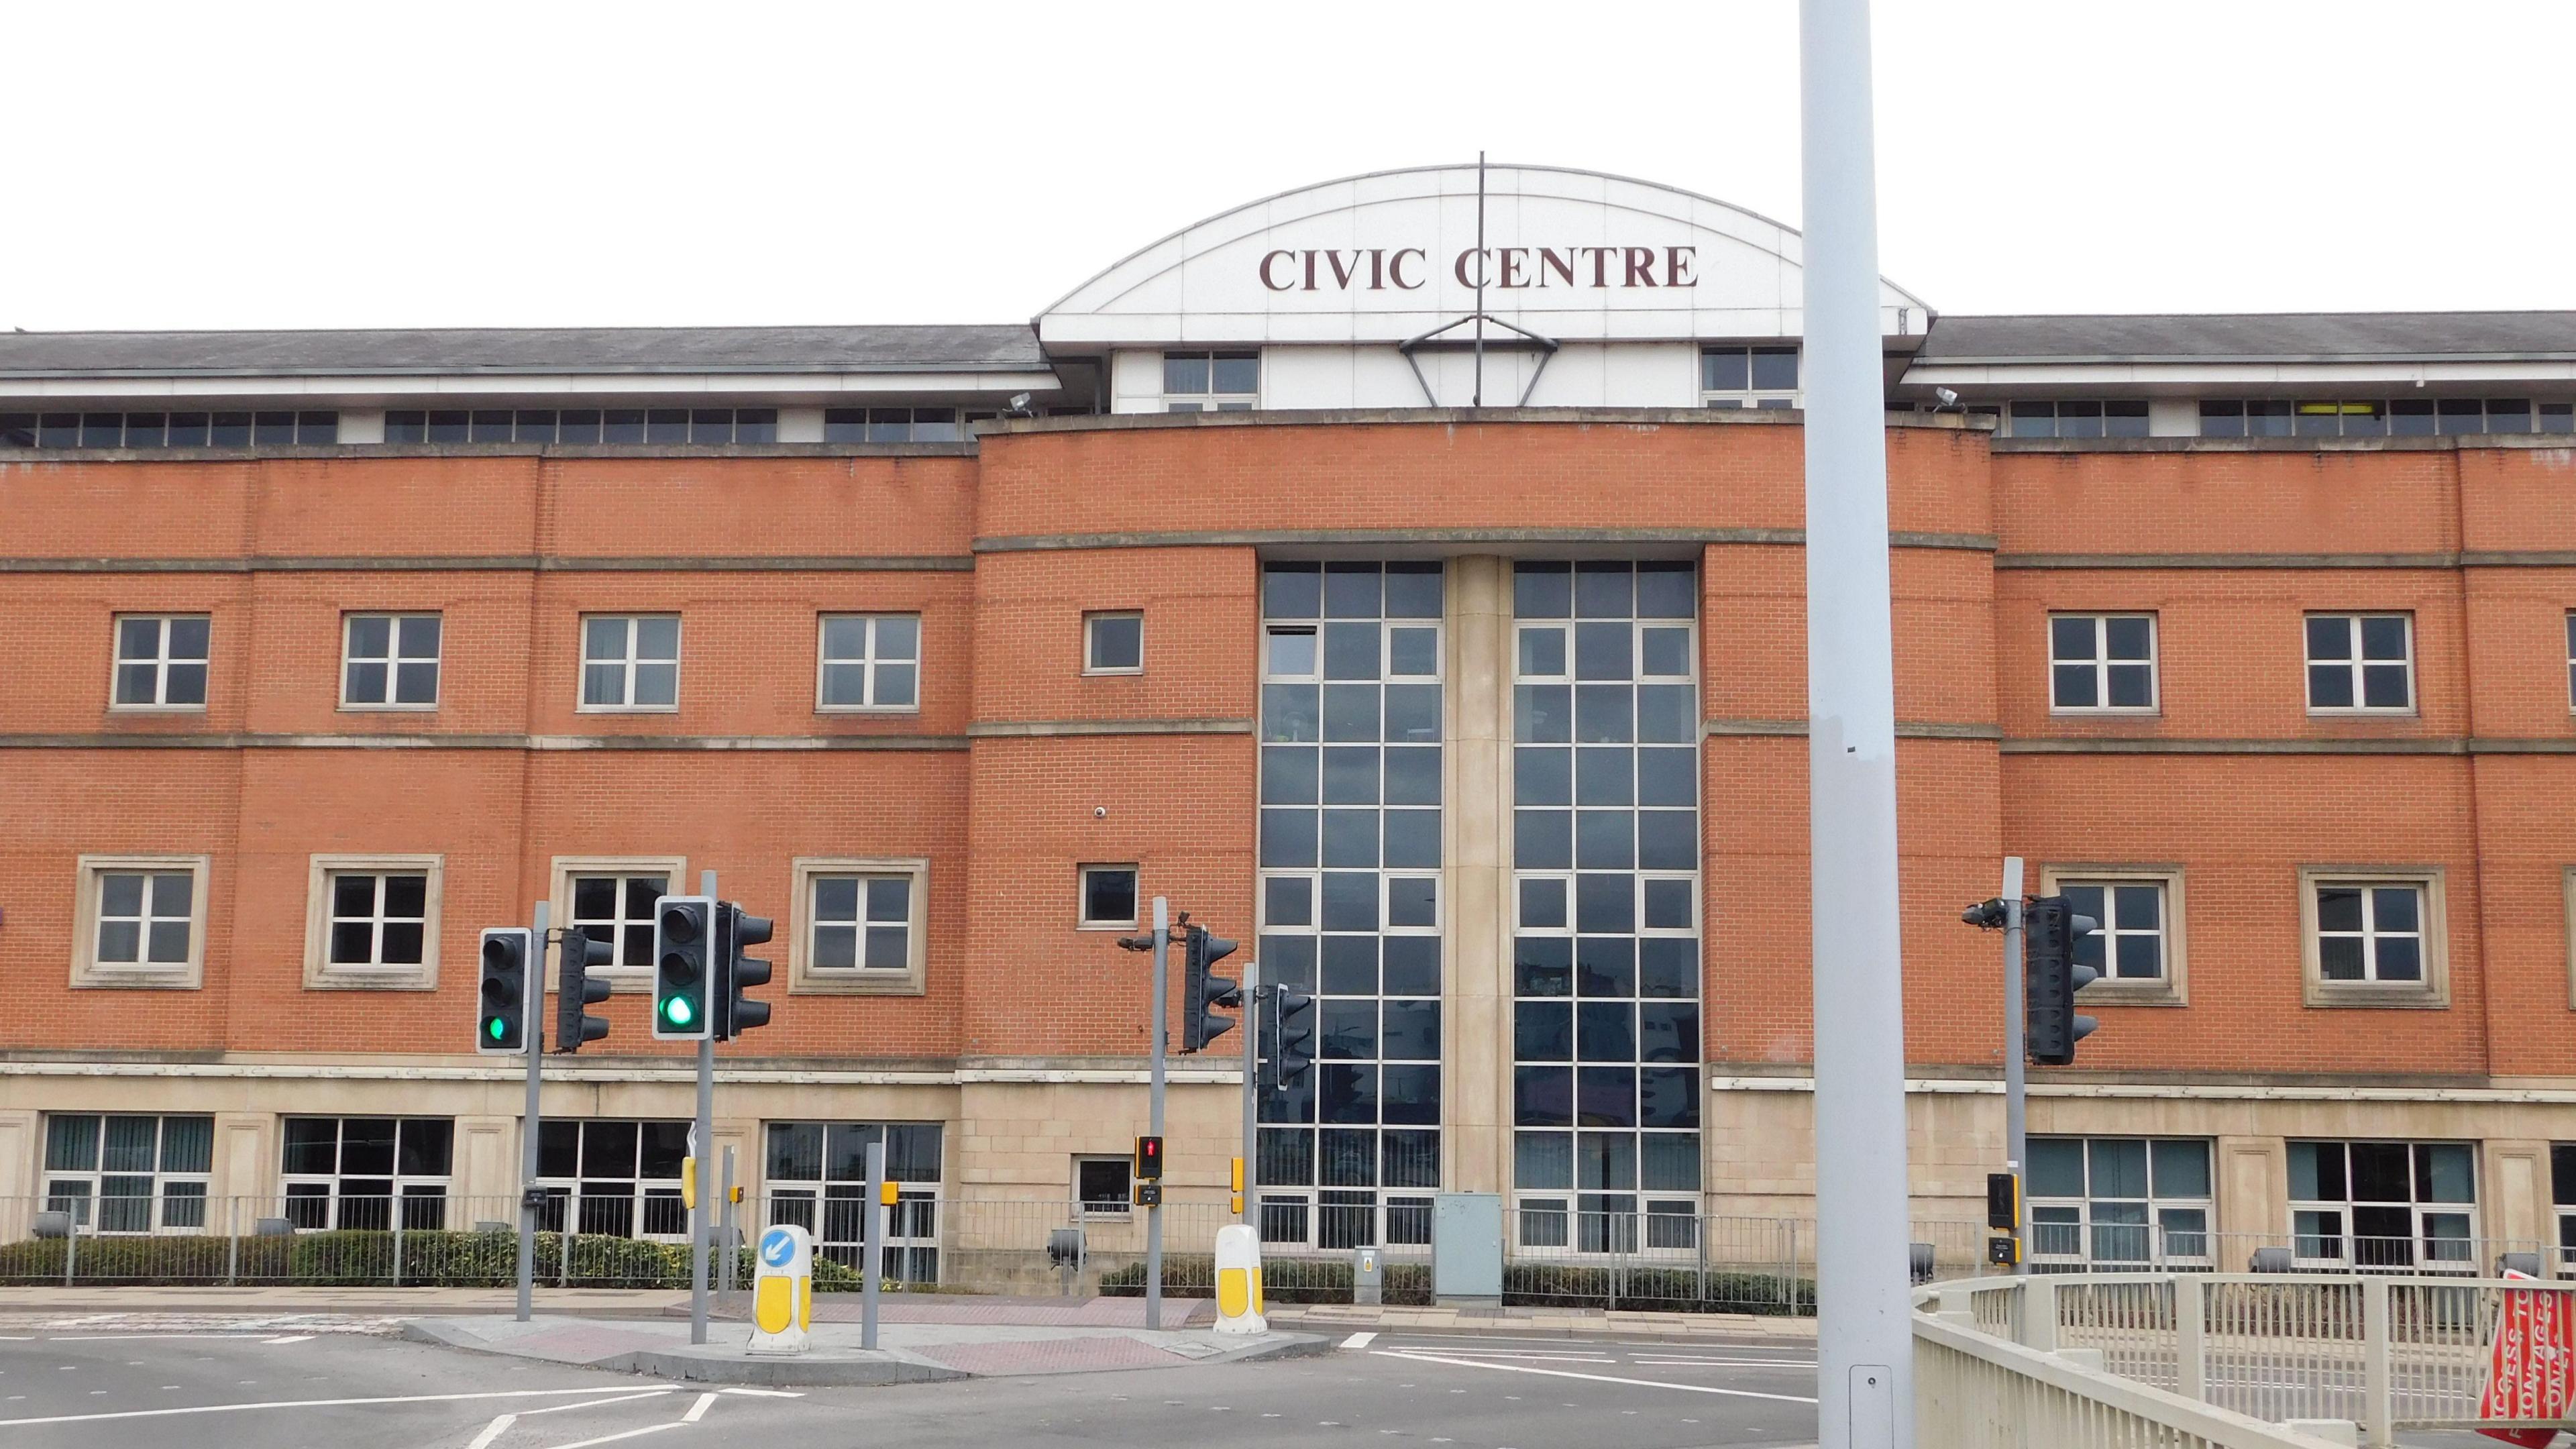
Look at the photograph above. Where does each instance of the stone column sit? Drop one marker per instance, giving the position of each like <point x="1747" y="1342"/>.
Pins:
<point x="1476" y="1139"/>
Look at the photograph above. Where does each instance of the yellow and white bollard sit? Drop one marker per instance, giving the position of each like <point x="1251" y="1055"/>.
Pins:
<point x="1238" y="1280"/>
<point x="782" y="1296"/>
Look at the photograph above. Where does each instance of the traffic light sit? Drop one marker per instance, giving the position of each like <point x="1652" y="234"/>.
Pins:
<point x="1202" y="993"/>
<point x="1292" y="1036"/>
<point x="502" y="1015"/>
<point x="2052" y="977"/>
<point x="737" y="928"/>
<point x="579" y="991"/>
<point x="683" y="955"/>
<point x="1149" y="1159"/>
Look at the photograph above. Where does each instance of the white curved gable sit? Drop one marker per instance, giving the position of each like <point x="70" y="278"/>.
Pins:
<point x="1573" y="255"/>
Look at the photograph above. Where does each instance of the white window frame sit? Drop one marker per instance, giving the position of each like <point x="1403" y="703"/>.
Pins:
<point x="808" y="1202"/>
<point x="2352" y="633"/>
<point x="2157" y="1203"/>
<point x="88" y="972"/>
<point x="95" y="1177"/>
<point x="2571" y="661"/>
<point x="392" y="659"/>
<point x="1212" y="401"/>
<point x="1126" y="1207"/>
<point x="566" y="868"/>
<point x="161" y="660"/>
<point x="870" y="662"/>
<point x="1090" y="641"/>
<point x="2567" y="888"/>
<point x="2417" y="1208"/>
<point x="645" y="1189"/>
<point x="1748" y="396"/>
<point x="401" y="1185"/>
<point x="804" y="978"/>
<point x="1083" y="919"/>
<point x="321" y="974"/>
<point x="2101" y="663"/>
<point x="629" y="660"/>
<point x="2174" y="988"/>
<point x="2433" y="992"/>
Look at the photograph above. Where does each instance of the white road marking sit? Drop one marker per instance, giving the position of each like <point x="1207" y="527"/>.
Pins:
<point x="1359" y="1340"/>
<point x="621" y="1396"/>
<point x="1519" y="1368"/>
<point x="1572" y="1356"/>
<point x="699" y="1409"/>
<point x="291" y="1338"/>
<point x="493" y="1431"/>
<point x="613" y="1438"/>
<point x="1724" y="1362"/>
<point x="299" y="1404"/>
<point x="773" y="1393"/>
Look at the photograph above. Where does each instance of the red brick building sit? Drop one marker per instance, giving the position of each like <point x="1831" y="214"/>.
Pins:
<point x="1461" y="679"/>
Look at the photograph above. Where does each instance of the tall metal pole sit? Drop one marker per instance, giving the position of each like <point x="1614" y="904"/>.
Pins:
<point x="872" y="1255"/>
<point x="1864" y="1344"/>
<point x="2016" y="1007"/>
<point x="1154" y="1115"/>
<point x="1251" y="1071"/>
<point x="703" y="1148"/>
<point x="536" y="1018"/>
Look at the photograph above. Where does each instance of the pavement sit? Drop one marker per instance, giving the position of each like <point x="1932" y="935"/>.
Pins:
<point x="915" y="1351"/>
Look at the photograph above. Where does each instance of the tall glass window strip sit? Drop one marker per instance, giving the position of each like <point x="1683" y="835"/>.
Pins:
<point x="818" y="1180"/>
<point x="1605" y="845"/>
<point x="169" y="430"/>
<point x="1351" y="729"/>
<point x="2406" y="417"/>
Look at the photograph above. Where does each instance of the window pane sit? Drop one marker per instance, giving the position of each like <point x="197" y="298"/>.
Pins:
<point x="2056" y="1167"/>
<point x="2330" y="638"/>
<point x="2181" y="1168"/>
<point x="1185" y="373"/>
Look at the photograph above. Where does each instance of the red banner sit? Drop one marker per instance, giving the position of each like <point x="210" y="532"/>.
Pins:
<point x="2532" y="1374"/>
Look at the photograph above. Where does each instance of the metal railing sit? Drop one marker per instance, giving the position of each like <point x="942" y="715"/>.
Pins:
<point x="2383" y="1351"/>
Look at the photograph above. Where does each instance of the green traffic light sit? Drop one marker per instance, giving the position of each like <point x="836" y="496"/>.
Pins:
<point x="677" y="1011"/>
<point x="496" y="1028"/>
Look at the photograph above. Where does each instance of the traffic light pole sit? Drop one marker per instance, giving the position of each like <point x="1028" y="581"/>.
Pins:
<point x="703" y="1149"/>
<point x="536" y="1030"/>
<point x="1251" y="1070"/>
<point x="1154" y="1110"/>
<point x="2016" y="1008"/>
<point x="1864" y="1320"/>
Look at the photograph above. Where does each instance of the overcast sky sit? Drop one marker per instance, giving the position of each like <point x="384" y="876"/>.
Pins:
<point x="211" y="165"/>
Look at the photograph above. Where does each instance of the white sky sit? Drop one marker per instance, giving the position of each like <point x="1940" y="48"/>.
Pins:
<point x="535" y="163"/>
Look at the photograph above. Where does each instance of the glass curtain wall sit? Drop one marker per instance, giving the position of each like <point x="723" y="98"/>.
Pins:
<point x="1606" y="890"/>
<point x="1350" y="895"/>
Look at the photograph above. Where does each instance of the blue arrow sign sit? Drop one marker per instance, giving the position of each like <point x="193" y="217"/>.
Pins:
<point x="777" y="1246"/>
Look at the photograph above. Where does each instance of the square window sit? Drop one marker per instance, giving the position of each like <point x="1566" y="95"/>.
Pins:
<point x="1211" y="381"/>
<point x="145" y="922"/>
<point x="161" y="661"/>
<point x="612" y="903"/>
<point x="868" y="662"/>
<point x="2374" y="941"/>
<point x="630" y="662"/>
<point x="2137" y="943"/>
<point x="1108" y="897"/>
<point x="2102" y="663"/>
<point x="373" y="922"/>
<point x="1104" y="1186"/>
<point x="2360" y="663"/>
<point x="863" y="927"/>
<point x="1113" y="643"/>
<point x="389" y="661"/>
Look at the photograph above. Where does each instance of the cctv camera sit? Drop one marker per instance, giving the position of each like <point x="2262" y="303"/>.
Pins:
<point x="1099" y="812"/>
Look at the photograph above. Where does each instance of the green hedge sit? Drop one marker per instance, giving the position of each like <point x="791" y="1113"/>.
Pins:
<point x="1328" y="1280"/>
<point x="358" y="1258"/>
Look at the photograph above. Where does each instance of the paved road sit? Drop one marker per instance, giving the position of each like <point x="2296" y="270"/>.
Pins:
<point x="214" y="1386"/>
